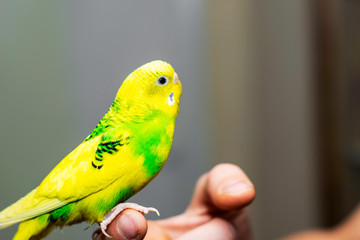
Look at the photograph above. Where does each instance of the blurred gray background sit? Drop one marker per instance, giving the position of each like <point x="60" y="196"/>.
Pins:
<point x="252" y="73"/>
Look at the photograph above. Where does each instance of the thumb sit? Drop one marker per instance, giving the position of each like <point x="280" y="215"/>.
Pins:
<point x="128" y="225"/>
<point x="225" y="187"/>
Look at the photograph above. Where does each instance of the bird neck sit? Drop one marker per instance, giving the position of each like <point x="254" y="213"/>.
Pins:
<point x="133" y="111"/>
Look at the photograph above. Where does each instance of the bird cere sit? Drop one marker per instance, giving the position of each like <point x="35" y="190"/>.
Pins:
<point x="125" y="151"/>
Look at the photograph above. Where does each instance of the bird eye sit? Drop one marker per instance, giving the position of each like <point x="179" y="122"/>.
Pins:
<point x="161" y="81"/>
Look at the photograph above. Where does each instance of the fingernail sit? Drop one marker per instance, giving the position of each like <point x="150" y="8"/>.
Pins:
<point x="128" y="227"/>
<point x="235" y="187"/>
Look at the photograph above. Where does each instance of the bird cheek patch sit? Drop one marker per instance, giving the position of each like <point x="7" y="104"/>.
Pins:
<point x="171" y="100"/>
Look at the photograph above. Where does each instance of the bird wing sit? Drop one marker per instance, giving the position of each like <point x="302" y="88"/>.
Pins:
<point x="91" y="167"/>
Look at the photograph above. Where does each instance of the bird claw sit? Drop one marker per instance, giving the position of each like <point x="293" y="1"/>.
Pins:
<point x="103" y="230"/>
<point x="118" y="209"/>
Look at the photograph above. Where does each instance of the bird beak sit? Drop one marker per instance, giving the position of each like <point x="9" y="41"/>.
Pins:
<point x="175" y="78"/>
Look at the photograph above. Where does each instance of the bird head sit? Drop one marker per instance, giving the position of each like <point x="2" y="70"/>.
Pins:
<point x="153" y="86"/>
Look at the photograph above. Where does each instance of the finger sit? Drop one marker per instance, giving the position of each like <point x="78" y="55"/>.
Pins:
<point x="229" y="187"/>
<point x="216" y="229"/>
<point x="316" y="235"/>
<point x="156" y="232"/>
<point x="225" y="187"/>
<point x="242" y="225"/>
<point x="129" y="224"/>
<point x="97" y="235"/>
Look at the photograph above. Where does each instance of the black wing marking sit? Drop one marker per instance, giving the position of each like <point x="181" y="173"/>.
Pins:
<point x="109" y="147"/>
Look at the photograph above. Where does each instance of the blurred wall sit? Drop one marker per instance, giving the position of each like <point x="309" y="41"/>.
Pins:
<point x="261" y="68"/>
<point x="338" y="94"/>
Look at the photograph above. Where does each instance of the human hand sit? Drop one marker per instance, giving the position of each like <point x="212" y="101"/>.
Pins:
<point x="347" y="230"/>
<point x="217" y="211"/>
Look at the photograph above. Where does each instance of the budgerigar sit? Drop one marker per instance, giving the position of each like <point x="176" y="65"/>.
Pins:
<point x="124" y="152"/>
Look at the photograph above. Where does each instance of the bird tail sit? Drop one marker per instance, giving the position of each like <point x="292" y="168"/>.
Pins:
<point x="8" y="216"/>
<point x="34" y="229"/>
<point x="28" y="207"/>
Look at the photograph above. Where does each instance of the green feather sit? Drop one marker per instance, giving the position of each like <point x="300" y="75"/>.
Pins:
<point x="61" y="213"/>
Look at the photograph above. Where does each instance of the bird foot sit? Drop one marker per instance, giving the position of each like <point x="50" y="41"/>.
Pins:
<point x="118" y="209"/>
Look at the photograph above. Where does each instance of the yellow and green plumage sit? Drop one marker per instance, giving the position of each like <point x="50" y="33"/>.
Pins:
<point x="124" y="152"/>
